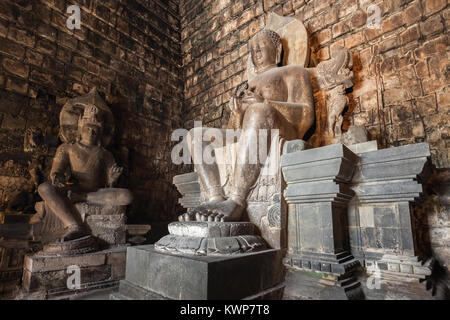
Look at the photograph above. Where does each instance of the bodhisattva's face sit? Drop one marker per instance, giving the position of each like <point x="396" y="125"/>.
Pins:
<point x="90" y="134"/>
<point x="263" y="51"/>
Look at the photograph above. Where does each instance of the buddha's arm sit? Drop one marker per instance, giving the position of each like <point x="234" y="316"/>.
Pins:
<point x="299" y="94"/>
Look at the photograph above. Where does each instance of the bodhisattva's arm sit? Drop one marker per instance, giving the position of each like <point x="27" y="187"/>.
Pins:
<point x="60" y="164"/>
<point x="113" y="171"/>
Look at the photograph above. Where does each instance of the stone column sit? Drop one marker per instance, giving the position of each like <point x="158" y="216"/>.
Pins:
<point x="317" y="194"/>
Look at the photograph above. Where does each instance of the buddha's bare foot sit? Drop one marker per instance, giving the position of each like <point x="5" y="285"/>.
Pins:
<point x="76" y="197"/>
<point x="228" y="210"/>
<point x="203" y="208"/>
<point x="73" y="232"/>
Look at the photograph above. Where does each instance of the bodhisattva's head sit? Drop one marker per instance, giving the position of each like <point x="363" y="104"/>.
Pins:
<point x="89" y="127"/>
<point x="265" y="49"/>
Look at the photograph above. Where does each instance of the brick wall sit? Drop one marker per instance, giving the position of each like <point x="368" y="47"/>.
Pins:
<point x="401" y="77"/>
<point x="401" y="71"/>
<point x="130" y="50"/>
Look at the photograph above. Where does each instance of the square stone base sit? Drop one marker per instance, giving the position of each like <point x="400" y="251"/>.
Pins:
<point x="154" y="275"/>
<point x="45" y="276"/>
<point x="310" y="285"/>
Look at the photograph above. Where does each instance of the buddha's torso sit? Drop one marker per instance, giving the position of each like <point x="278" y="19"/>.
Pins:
<point x="273" y="84"/>
<point x="276" y="84"/>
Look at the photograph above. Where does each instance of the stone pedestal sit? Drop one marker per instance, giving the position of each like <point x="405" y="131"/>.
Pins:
<point x="46" y="273"/>
<point x="387" y="183"/>
<point x="151" y="274"/>
<point x="106" y="223"/>
<point x="317" y="194"/>
<point x="211" y="238"/>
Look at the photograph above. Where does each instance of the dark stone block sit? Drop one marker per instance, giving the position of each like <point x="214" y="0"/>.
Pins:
<point x="384" y="217"/>
<point x="306" y="264"/>
<point x="315" y="265"/>
<point x="326" y="267"/>
<point x="407" y="240"/>
<point x="382" y="265"/>
<point x="389" y="238"/>
<point x="203" y="277"/>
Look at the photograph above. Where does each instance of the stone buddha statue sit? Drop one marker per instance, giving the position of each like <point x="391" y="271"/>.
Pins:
<point x="93" y="173"/>
<point x="275" y="98"/>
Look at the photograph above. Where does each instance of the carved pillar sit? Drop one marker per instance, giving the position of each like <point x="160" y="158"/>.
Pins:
<point x="317" y="194"/>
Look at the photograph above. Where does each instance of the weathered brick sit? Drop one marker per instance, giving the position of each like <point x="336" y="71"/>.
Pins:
<point x="21" y="36"/>
<point x="431" y="47"/>
<point x="11" y="48"/>
<point x="15" y="67"/>
<point x="432" y="25"/>
<point x="354" y="40"/>
<point x="411" y="34"/>
<point x="3" y="28"/>
<point x="16" y="85"/>
<point x="393" y="22"/>
<point x="432" y="6"/>
<point x="413" y="13"/>
<point x="426" y="105"/>
<point x="46" y="47"/>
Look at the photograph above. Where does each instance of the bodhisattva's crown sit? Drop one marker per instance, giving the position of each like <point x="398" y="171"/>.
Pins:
<point x="91" y="115"/>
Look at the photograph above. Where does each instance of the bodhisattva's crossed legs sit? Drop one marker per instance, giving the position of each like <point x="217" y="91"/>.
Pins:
<point x="257" y="116"/>
<point x="62" y="206"/>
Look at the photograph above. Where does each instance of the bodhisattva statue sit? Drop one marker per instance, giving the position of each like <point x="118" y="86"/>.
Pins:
<point x="93" y="173"/>
<point x="276" y="98"/>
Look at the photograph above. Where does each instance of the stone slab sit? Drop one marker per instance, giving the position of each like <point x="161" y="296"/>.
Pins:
<point x="199" y="278"/>
<point x="48" y="274"/>
<point x="364" y="147"/>
<point x="211" y="229"/>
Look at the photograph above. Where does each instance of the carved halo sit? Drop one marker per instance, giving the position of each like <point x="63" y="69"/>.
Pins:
<point x="294" y="38"/>
<point x="71" y="111"/>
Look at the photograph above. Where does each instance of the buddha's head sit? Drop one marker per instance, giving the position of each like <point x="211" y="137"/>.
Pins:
<point x="265" y="49"/>
<point x="90" y="127"/>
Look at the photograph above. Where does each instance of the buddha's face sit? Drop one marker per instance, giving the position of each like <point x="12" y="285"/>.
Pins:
<point x="263" y="51"/>
<point x="90" y="134"/>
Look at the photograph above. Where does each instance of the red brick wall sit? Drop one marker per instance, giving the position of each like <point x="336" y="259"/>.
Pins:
<point x="130" y="50"/>
<point x="401" y="77"/>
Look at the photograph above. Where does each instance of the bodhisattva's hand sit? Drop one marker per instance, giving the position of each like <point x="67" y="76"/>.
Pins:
<point x="57" y="181"/>
<point x="114" y="173"/>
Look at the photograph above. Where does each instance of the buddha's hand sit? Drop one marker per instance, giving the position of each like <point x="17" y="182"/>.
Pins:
<point x="113" y="174"/>
<point x="58" y="181"/>
<point x="236" y="99"/>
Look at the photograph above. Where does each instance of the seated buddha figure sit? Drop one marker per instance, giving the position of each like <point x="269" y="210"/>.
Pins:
<point x="276" y="98"/>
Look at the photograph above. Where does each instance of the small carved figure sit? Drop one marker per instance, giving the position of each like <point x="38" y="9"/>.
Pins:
<point x="334" y="77"/>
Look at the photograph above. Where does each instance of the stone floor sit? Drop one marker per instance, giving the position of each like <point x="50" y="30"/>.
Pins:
<point x="101" y="294"/>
